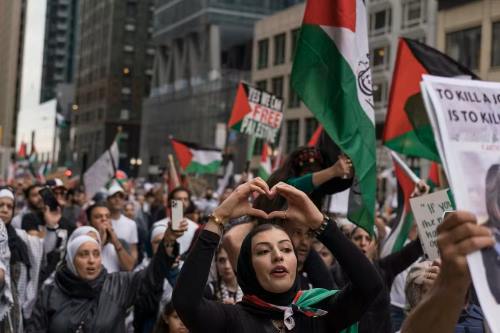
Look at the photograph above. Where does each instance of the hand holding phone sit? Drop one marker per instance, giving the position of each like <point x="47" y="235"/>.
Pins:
<point x="177" y="212"/>
<point x="49" y="199"/>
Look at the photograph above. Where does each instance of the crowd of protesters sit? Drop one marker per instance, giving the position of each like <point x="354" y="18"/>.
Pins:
<point x="258" y="257"/>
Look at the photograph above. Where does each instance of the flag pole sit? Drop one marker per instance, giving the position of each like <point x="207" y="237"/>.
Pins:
<point x="405" y="167"/>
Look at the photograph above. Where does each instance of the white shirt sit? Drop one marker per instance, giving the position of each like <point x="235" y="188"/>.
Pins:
<point x="126" y="229"/>
<point x="110" y="259"/>
<point x="186" y="239"/>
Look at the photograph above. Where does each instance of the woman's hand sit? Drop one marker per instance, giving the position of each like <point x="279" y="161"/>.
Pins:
<point x="171" y="235"/>
<point x="300" y="208"/>
<point x="342" y="168"/>
<point x="52" y="218"/>
<point x="238" y="204"/>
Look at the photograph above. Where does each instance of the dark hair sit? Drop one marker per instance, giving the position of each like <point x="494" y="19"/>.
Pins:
<point x="179" y="189"/>
<point x="30" y="188"/>
<point x="89" y="210"/>
<point x="161" y="326"/>
<point x="492" y="191"/>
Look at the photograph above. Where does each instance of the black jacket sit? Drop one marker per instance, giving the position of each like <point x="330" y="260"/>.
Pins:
<point x="57" y="311"/>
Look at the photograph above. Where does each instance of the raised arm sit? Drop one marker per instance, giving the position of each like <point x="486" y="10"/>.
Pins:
<point x="196" y="312"/>
<point x="397" y="262"/>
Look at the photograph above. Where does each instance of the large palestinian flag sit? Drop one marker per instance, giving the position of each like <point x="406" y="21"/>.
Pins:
<point x="195" y="159"/>
<point x="407" y="129"/>
<point x="332" y="76"/>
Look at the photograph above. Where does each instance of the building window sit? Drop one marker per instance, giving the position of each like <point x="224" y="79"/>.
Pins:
<point x="295" y="39"/>
<point x="380" y="57"/>
<point x="292" y="135"/>
<point x="262" y="85"/>
<point x="279" y="49"/>
<point x="413" y="13"/>
<point x="263" y="53"/>
<point x="311" y="126"/>
<point x="129" y="27"/>
<point x="495" y="45"/>
<point x="464" y="46"/>
<point x="380" y="22"/>
<point x="293" y="98"/>
<point x="278" y="86"/>
<point x="380" y="93"/>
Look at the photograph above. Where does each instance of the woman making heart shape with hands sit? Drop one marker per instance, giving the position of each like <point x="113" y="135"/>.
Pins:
<point x="267" y="272"/>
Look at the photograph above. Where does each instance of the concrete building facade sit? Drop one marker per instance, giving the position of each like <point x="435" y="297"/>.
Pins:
<point x="12" y="22"/>
<point x="203" y="49"/>
<point x="469" y="32"/>
<point x="115" y="58"/>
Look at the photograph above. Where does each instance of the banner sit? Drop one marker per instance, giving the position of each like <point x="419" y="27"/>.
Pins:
<point x="257" y="113"/>
<point x="465" y="117"/>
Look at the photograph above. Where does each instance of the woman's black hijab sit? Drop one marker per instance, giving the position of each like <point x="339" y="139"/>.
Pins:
<point x="18" y="249"/>
<point x="247" y="278"/>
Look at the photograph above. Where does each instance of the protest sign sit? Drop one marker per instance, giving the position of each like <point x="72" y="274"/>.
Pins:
<point x="428" y="211"/>
<point x="465" y="117"/>
<point x="257" y="113"/>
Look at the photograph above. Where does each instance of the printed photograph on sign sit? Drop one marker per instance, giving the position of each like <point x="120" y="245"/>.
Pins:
<point x="466" y="124"/>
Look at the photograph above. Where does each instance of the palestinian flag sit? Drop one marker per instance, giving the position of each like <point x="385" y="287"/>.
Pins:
<point x="265" y="167"/>
<point x="332" y="76"/>
<point x="399" y="233"/>
<point x="23" y="151"/>
<point x="195" y="159"/>
<point x="241" y="108"/>
<point x="315" y="137"/>
<point x="407" y="128"/>
<point x="433" y="177"/>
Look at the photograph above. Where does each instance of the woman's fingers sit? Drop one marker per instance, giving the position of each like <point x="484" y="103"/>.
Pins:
<point x="278" y="214"/>
<point x="257" y="213"/>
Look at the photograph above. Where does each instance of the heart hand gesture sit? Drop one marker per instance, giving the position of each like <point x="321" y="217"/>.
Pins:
<point x="238" y="204"/>
<point x="300" y="208"/>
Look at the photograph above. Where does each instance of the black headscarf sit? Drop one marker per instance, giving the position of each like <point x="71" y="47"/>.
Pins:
<point x="247" y="278"/>
<point x="76" y="287"/>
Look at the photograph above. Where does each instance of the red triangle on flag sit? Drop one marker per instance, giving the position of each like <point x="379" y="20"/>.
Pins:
<point x="183" y="153"/>
<point x="240" y="108"/>
<point x="315" y="137"/>
<point x="333" y="13"/>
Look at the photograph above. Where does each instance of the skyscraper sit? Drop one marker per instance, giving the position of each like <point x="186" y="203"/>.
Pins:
<point x="114" y="67"/>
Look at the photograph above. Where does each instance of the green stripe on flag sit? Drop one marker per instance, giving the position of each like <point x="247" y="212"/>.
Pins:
<point x="327" y="85"/>
<point x="195" y="167"/>
<point x="400" y="241"/>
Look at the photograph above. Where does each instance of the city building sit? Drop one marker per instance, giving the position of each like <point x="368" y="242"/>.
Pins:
<point x="203" y="51"/>
<point x="59" y="46"/>
<point x="469" y="32"/>
<point x="275" y="38"/>
<point x="115" y="58"/>
<point x="12" y="17"/>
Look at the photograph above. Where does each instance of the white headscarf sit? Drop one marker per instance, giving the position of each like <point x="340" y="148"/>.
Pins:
<point x="73" y="246"/>
<point x="84" y="231"/>
<point x="159" y="228"/>
<point x="5" y="193"/>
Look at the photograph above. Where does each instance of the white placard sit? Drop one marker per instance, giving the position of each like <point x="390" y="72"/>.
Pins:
<point x="465" y="117"/>
<point x="428" y="213"/>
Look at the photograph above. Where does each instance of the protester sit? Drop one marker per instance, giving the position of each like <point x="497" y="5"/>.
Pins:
<point x="377" y="318"/>
<point x="34" y="204"/>
<point x="115" y="253"/>
<point x="124" y="228"/>
<point x="225" y="288"/>
<point x="458" y="236"/>
<point x="169" y="321"/>
<point x="20" y="261"/>
<point x="86" y="298"/>
<point x="267" y="273"/>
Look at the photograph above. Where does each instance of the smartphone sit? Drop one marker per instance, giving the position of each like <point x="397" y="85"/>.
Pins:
<point x="48" y="198"/>
<point x="177" y="213"/>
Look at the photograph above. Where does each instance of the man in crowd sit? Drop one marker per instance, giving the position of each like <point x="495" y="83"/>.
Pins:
<point x="125" y="228"/>
<point x="34" y="203"/>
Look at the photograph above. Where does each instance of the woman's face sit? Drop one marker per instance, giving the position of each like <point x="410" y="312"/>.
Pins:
<point x="324" y="253"/>
<point x="365" y="243"/>
<point x="274" y="260"/>
<point x="6" y="209"/>
<point x="224" y="268"/>
<point x="174" y="323"/>
<point x="87" y="261"/>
